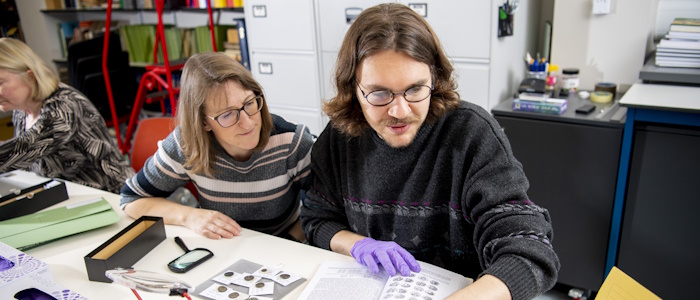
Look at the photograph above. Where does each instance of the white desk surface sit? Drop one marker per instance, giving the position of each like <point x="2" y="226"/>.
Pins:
<point x="65" y="256"/>
<point x="664" y="97"/>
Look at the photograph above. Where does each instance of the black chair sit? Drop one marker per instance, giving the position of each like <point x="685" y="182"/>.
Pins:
<point x="85" y="74"/>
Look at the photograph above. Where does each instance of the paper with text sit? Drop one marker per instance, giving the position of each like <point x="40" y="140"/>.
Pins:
<point x="350" y="280"/>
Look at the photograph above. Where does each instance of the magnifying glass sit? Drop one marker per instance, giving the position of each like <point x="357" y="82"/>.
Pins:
<point x="190" y="259"/>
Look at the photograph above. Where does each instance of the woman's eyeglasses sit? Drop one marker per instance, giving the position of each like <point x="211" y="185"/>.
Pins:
<point x="231" y="117"/>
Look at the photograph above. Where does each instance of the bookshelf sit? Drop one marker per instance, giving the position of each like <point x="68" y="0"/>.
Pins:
<point x="183" y="17"/>
<point x="9" y="20"/>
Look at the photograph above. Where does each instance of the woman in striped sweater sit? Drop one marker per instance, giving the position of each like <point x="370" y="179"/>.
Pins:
<point x="248" y="165"/>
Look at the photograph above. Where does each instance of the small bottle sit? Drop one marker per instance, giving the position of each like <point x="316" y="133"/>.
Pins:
<point x="551" y="83"/>
<point x="569" y="81"/>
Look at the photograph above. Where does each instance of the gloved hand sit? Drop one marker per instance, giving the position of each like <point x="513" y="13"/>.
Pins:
<point x="370" y="252"/>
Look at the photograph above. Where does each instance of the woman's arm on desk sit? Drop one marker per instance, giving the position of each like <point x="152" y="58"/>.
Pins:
<point x="209" y="223"/>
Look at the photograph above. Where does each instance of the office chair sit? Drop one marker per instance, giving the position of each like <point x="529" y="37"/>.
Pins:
<point x="145" y="144"/>
<point x="85" y="74"/>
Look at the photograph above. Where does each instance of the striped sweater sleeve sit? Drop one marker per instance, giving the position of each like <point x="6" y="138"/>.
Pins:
<point x="161" y="175"/>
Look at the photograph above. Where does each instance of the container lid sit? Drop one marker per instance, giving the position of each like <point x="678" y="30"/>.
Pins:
<point x="571" y="71"/>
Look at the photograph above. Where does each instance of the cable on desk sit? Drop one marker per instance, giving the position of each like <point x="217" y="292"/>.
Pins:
<point x="136" y="294"/>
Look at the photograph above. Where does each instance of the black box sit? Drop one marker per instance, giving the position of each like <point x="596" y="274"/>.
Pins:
<point x="23" y="193"/>
<point x="532" y="85"/>
<point x="125" y="248"/>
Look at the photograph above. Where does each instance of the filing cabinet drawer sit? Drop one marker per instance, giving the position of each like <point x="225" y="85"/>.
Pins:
<point x="335" y="18"/>
<point x="473" y="82"/>
<point x="288" y="79"/>
<point x="311" y="119"/>
<point x="280" y="25"/>
<point x="464" y="27"/>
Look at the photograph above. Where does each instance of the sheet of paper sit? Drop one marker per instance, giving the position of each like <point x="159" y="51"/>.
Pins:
<point x="344" y="281"/>
<point x="620" y="286"/>
<point x="350" y="280"/>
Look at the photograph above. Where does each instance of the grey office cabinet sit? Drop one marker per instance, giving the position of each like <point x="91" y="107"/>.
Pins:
<point x="284" y="59"/>
<point x="659" y="240"/>
<point x="571" y="162"/>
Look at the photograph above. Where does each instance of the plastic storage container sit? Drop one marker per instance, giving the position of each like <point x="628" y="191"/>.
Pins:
<point x="569" y="81"/>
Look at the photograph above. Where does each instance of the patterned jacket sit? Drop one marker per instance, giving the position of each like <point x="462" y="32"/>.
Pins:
<point x="69" y="140"/>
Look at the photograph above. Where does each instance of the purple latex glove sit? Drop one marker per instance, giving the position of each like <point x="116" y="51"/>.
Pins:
<point x="370" y="252"/>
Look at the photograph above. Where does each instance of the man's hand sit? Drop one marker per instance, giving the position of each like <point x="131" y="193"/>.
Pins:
<point x="212" y="224"/>
<point x="370" y="252"/>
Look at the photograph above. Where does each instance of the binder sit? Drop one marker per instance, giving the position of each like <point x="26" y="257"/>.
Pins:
<point x="243" y="41"/>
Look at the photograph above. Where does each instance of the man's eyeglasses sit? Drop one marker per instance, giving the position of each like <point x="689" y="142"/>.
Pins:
<point x="384" y="97"/>
<point x="231" y="117"/>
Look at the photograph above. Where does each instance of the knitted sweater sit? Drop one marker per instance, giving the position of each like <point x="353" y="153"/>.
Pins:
<point x="455" y="197"/>
<point x="69" y="140"/>
<point x="260" y="193"/>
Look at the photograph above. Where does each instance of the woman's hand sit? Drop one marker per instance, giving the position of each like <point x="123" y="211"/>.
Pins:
<point x="212" y="224"/>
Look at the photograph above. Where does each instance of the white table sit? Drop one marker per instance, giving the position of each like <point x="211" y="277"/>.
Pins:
<point x="65" y="256"/>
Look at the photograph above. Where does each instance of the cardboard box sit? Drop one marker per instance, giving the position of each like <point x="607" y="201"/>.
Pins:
<point x="125" y="248"/>
<point x="23" y="193"/>
<point x="24" y="275"/>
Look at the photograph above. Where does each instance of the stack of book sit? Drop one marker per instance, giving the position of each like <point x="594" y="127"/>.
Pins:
<point x="681" y="46"/>
<point x="533" y="97"/>
<point x="548" y="106"/>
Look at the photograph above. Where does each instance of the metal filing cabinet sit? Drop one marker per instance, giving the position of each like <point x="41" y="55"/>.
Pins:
<point x="469" y="50"/>
<point x="283" y="56"/>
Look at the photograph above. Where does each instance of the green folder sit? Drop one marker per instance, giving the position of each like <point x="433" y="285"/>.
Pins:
<point x="43" y="227"/>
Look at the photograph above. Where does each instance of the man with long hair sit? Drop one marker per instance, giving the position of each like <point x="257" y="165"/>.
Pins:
<point x="407" y="171"/>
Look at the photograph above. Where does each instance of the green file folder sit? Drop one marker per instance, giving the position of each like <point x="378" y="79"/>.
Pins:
<point x="42" y="227"/>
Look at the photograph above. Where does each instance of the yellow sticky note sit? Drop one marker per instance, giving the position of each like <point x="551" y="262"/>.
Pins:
<point x="619" y="286"/>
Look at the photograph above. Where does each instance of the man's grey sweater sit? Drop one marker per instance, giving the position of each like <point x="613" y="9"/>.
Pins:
<point x="455" y="197"/>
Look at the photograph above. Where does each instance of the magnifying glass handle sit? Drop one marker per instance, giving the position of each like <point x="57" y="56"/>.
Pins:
<point x="180" y="243"/>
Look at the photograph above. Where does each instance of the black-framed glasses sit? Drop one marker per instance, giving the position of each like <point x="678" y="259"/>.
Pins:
<point x="231" y="117"/>
<point x="384" y="97"/>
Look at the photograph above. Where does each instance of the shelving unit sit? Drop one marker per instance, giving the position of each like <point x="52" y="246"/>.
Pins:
<point x="9" y="20"/>
<point x="183" y="17"/>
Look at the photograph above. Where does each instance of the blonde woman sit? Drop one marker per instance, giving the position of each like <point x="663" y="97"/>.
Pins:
<point x="58" y="131"/>
<point x="248" y="165"/>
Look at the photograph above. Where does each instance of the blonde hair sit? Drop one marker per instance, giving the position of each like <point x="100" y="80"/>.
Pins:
<point x="389" y="26"/>
<point x="203" y="75"/>
<point x="18" y="58"/>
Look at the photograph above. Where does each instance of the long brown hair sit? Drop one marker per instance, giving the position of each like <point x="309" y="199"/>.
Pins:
<point x="204" y="75"/>
<point x="388" y="26"/>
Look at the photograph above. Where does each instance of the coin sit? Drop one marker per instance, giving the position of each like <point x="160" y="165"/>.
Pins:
<point x="228" y="274"/>
<point x="284" y="276"/>
<point x="249" y="278"/>
<point x="259" y="285"/>
<point x="234" y="295"/>
<point x="263" y="270"/>
<point x="221" y="288"/>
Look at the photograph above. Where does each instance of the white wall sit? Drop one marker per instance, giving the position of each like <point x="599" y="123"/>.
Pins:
<point x="508" y="66"/>
<point x="603" y="47"/>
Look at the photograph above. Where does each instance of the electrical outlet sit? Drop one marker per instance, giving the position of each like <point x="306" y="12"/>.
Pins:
<point x="601" y="7"/>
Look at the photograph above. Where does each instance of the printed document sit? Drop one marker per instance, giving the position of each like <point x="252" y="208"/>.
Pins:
<point x="351" y="281"/>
